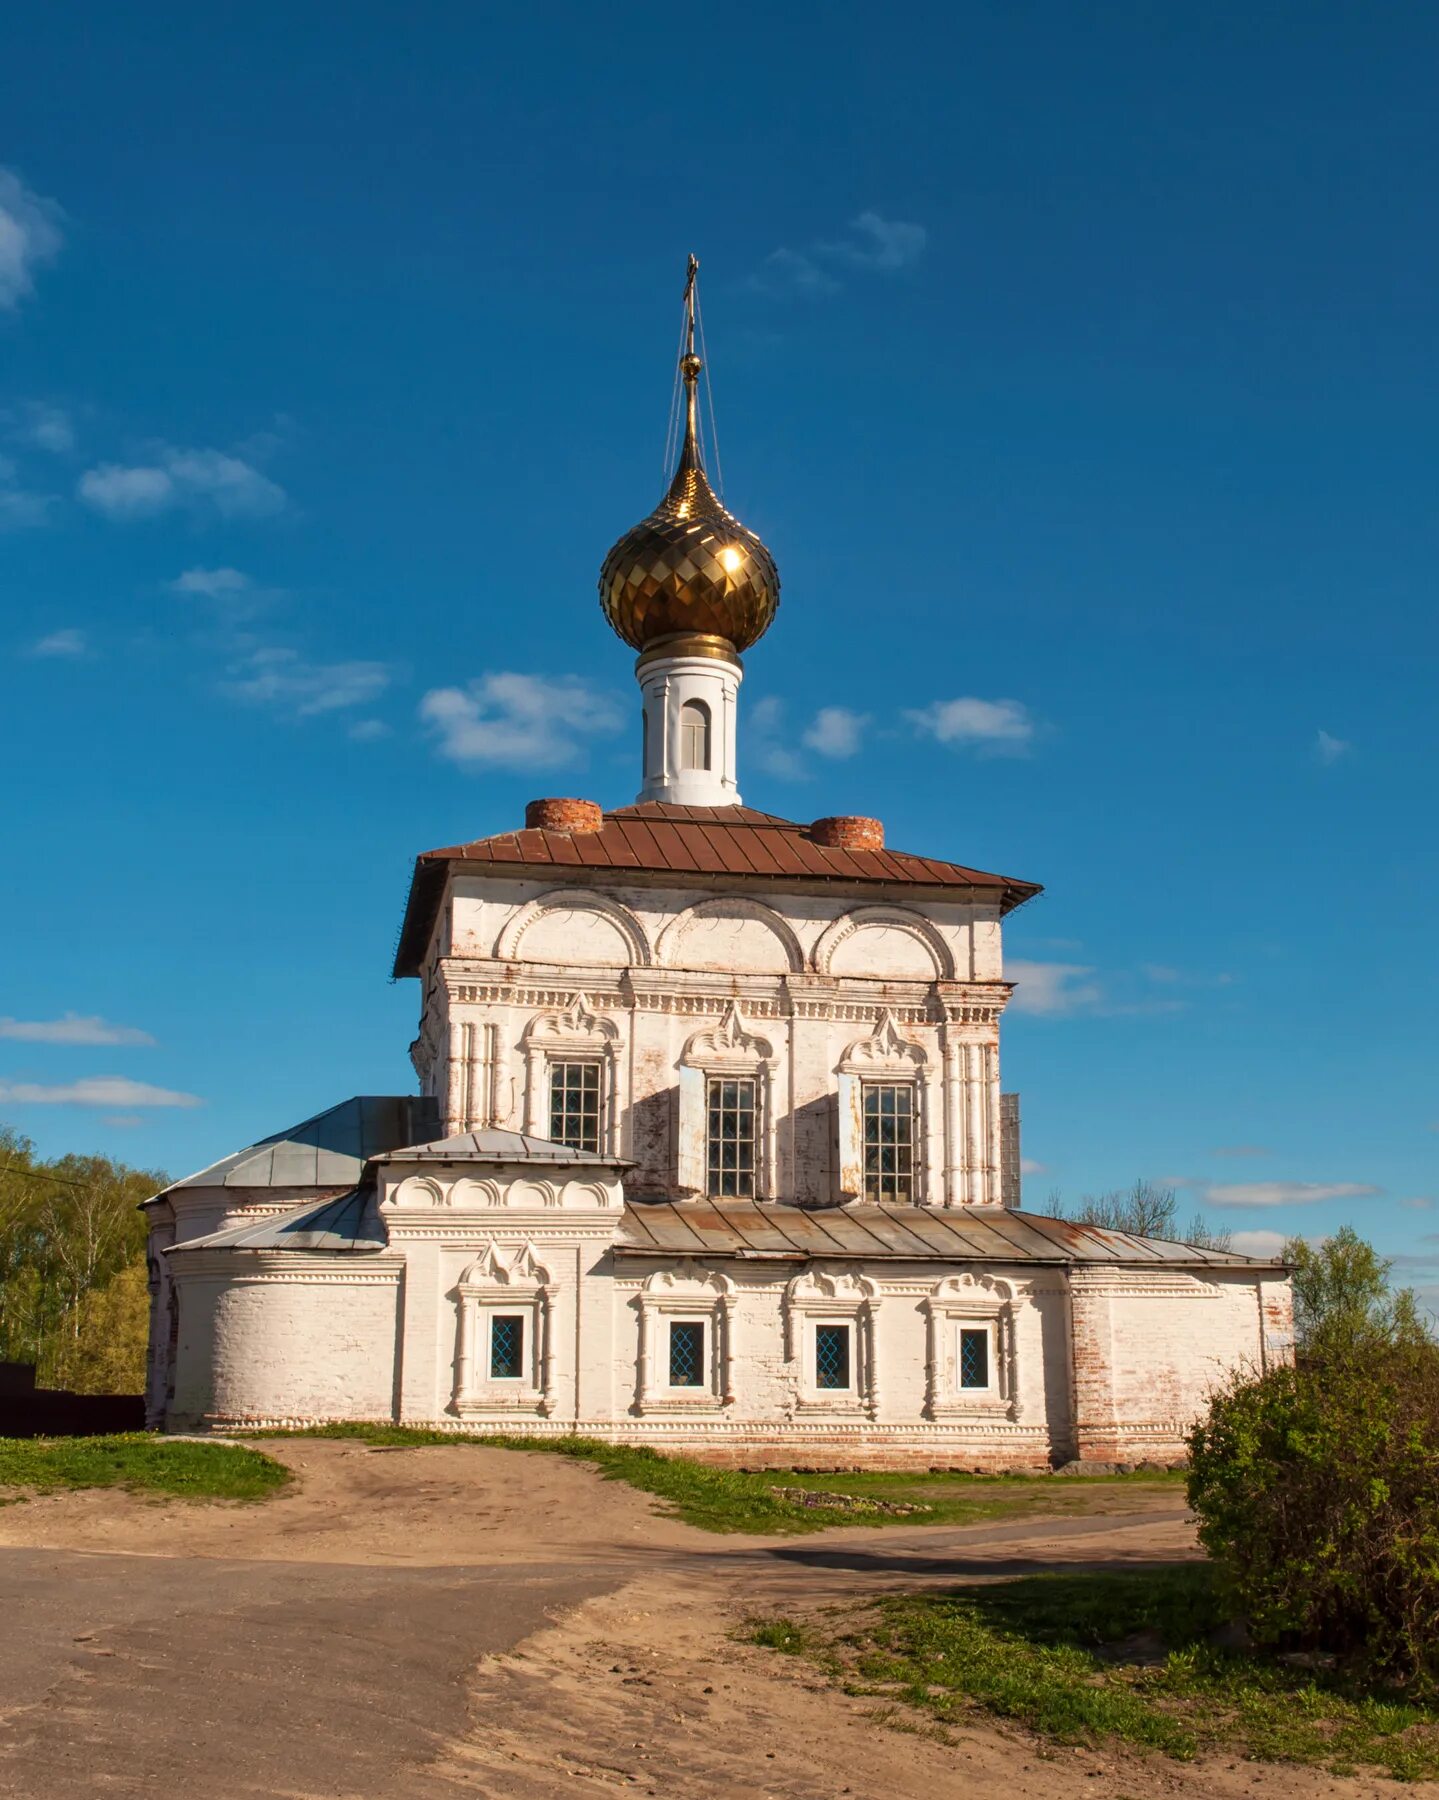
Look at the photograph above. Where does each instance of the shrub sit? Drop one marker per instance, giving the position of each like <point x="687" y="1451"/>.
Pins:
<point x="1317" y="1491"/>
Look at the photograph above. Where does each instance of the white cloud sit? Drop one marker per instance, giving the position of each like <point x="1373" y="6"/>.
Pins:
<point x="1027" y="1166"/>
<point x="30" y="236"/>
<point x="876" y="245"/>
<point x="1257" y="1243"/>
<point x="368" y="731"/>
<point x="835" y="731"/>
<point x="97" y="1090"/>
<point x="122" y="1121"/>
<point x="1329" y="749"/>
<point x="1419" y="1203"/>
<point x="519" y="721"/>
<point x="214" y="584"/>
<point x="1285" y="1193"/>
<point x="1052" y="990"/>
<point x="996" y="726"/>
<point x="73" y="1028"/>
<point x="283" y="680"/>
<point x="20" y="507"/>
<point x="205" y="481"/>
<point x="69" y="642"/>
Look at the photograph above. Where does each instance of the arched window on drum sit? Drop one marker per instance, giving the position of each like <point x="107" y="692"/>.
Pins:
<point x="694" y="735"/>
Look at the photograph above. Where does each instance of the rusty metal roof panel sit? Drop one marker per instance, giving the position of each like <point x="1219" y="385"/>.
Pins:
<point x="895" y="1234"/>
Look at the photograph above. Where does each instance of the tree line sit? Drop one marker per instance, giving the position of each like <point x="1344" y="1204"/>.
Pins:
<point x="73" y="1289"/>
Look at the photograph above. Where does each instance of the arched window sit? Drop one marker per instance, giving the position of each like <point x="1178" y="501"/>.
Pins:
<point x="694" y="735"/>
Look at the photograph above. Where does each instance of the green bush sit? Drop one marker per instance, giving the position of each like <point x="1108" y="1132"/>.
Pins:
<point x="1317" y="1491"/>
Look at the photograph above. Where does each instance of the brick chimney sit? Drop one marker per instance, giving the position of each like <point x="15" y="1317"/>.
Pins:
<point x="847" y="831"/>
<point x="563" y="815"/>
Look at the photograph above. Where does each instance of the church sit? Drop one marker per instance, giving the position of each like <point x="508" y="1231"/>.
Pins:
<point x="709" y="1150"/>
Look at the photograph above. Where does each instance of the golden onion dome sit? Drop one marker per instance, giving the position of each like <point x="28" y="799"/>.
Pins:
<point x="690" y="568"/>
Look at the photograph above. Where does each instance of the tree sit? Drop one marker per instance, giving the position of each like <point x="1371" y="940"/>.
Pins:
<point x="69" y="1229"/>
<point x="1342" y="1299"/>
<point x="1145" y="1210"/>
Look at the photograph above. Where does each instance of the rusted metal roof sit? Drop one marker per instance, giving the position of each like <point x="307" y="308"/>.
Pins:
<point x="496" y="1146"/>
<point x="657" y="838"/>
<point x="992" y="1234"/>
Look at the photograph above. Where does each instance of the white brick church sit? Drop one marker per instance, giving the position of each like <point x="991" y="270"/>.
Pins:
<point x="709" y="1151"/>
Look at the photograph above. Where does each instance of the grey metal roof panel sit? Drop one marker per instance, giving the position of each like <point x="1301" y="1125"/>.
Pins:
<point x="497" y="1146"/>
<point x="969" y="1234"/>
<point x="328" y="1150"/>
<point x="344" y="1222"/>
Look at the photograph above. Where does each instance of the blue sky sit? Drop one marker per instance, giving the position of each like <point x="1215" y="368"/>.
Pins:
<point x="1078" y="364"/>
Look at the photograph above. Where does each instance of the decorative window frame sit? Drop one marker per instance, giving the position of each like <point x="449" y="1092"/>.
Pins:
<point x="687" y="1292"/>
<point x="577" y="1034"/>
<point x="506" y="1279"/>
<point x="727" y="1049"/>
<point x="887" y="1056"/>
<point x="970" y="1302"/>
<point x="824" y="1296"/>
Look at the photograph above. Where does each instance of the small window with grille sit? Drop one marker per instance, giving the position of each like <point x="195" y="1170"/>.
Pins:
<point x="694" y="735"/>
<point x="974" y="1356"/>
<point x="831" y="1356"/>
<point x="687" y="1353"/>
<point x="575" y="1104"/>
<point x="507" y="1346"/>
<point x="730" y="1137"/>
<point x="889" y="1142"/>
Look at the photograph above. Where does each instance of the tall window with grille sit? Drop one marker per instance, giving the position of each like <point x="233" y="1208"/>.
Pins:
<point x="575" y="1104"/>
<point x="831" y="1356"/>
<point x="687" y="1353"/>
<point x="889" y="1142"/>
<point x="974" y="1356"/>
<point x="507" y="1346"/>
<point x="730" y="1136"/>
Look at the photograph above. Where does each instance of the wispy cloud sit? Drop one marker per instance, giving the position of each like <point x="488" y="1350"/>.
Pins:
<point x="995" y="727"/>
<point x="213" y="584"/>
<point x="41" y="425"/>
<point x="836" y="732"/>
<point x="1245" y="1151"/>
<point x="20" y="507"/>
<point x="71" y="642"/>
<point x="519" y="721"/>
<point x="1027" y="1166"/>
<point x="72" y="1028"/>
<point x="368" y="731"/>
<point x="1053" y="990"/>
<point x="30" y="236"/>
<point x="1419" y="1203"/>
<point x="1329" y="749"/>
<point x="205" y="482"/>
<point x="873" y="245"/>
<point x="96" y="1090"/>
<point x="769" y="745"/>
<point x="282" y="680"/>
<point x="1286" y="1193"/>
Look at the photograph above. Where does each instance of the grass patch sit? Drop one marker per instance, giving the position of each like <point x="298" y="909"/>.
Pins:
<point x="731" y="1500"/>
<point x="1086" y="1658"/>
<point x="143" y="1463"/>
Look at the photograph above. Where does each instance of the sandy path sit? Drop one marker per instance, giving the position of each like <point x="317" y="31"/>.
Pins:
<point x="458" y="1621"/>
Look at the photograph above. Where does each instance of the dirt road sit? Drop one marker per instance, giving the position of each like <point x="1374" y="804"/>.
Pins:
<point x="458" y="1621"/>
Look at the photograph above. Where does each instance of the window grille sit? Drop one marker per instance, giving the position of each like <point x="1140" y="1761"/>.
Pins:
<point x="974" y="1357"/>
<point x="507" y="1347"/>
<point x="687" y="1353"/>
<point x="889" y="1142"/>
<point x="575" y="1104"/>
<point x="730" y="1140"/>
<point x="831" y="1356"/>
<point x="694" y="735"/>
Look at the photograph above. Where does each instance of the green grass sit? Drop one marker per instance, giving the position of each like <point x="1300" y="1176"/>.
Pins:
<point x="731" y="1500"/>
<point x="142" y="1463"/>
<point x="1087" y="1658"/>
